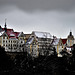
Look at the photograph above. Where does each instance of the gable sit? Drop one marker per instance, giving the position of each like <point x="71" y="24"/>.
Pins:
<point x="31" y="41"/>
<point x="21" y="34"/>
<point x="64" y="41"/>
<point x="4" y="34"/>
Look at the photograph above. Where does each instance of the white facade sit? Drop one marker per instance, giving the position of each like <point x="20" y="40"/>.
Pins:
<point x="39" y="43"/>
<point x="20" y="45"/>
<point x="11" y="42"/>
<point x="5" y="42"/>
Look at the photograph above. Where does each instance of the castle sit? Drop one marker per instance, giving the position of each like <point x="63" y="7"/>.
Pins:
<point x="35" y="43"/>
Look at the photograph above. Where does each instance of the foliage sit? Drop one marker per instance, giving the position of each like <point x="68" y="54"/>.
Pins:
<point x="5" y="61"/>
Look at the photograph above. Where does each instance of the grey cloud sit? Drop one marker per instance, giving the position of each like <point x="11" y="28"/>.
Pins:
<point x="55" y="22"/>
<point x="54" y="16"/>
<point x="30" y="5"/>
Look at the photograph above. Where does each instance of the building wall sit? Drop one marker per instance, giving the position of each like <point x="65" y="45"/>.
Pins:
<point x="39" y="46"/>
<point x="13" y="44"/>
<point x="0" y="41"/>
<point x="5" y="42"/>
<point x="74" y="41"/>
<point x="33" y="50"/>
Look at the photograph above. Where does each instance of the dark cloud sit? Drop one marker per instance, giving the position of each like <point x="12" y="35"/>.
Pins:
<point x="31" y="5"/>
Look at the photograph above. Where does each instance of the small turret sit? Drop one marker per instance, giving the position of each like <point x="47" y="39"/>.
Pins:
<point x="70" y="36"/>
<point x="70" y="33"/>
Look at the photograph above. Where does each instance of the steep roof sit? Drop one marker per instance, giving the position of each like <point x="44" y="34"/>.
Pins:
<point x="1" y="29"/>
<point x="55" y="40"/>
<point x="21" y="34"/>
<point x="11" y="33"/>
<point x="8" y="30"/>
<point x="70" y="36"/>
<point x="42" y="34"/>
<point x="1" y="33"/>
<point x="17" y="33"/>
<point x="14" y="35"/>
<point x="64" y="41"/>
<point x="30" y="40"/>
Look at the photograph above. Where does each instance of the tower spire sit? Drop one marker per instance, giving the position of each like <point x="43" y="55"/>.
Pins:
<point x="5" y="28"/>
<point x="70" y="32"/>
<point x="5" y="23"/>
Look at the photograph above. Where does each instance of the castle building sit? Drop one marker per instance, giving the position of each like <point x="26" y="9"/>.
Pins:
<point x="39" y="44"/>
<point x="60" y="44"/>
<point x="36" y="43"/>
<point x="10" y="40"/>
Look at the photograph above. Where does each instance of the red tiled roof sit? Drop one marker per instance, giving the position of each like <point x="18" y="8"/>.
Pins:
<point x="11" y="31"/>
<point x="15" y="33"/>
<point x="64" y="41"/>
<point x="8" y="29"/>
<point x="2" y="28"/>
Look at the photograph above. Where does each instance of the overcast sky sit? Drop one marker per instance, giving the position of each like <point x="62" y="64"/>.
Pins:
<point x="54" y="16"/>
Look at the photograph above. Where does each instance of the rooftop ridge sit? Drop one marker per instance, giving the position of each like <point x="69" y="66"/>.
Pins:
<point x="40" y="32"/>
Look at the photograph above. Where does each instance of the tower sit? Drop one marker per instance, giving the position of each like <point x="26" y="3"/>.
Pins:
<point x="70" y="39"/>
<point x="5" y="28"/>
<point x="70" y="33"/>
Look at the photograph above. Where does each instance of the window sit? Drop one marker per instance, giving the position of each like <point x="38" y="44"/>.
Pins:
<point x="21" y="42"/>
<point x="33" y="36"/>
<point x="17" y="45"/>
<point x="62" y="46"/>
<point x="3" y="41"/>
<point x="14" y="45"/>
<point x="6" y="41"/>
<point x="6" y="45"/>
<point x="3" y="44"/>
<point x="14" y="41"/>
<point x="20" y="45"/>
<point x="3" y="37"/>
<point x="7" y="37"/>
<point x="20" y="38"/>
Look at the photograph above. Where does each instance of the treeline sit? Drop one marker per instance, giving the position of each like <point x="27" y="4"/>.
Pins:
<point x="6" y="63"/>
<point x="43" y="65"/>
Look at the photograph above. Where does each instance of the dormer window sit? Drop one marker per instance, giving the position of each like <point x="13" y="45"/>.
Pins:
<point x="33" y="36"/>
